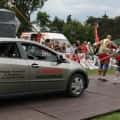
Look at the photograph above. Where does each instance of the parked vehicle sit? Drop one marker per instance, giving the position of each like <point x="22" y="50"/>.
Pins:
<point x="43" y="36"/>
<point x="26" y="67"/>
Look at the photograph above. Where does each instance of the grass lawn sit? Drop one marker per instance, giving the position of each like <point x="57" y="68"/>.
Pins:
<point x="113" y="116"/>
<point x="95" y="72"/>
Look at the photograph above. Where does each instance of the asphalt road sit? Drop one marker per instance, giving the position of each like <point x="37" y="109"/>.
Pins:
<point x="99" y="98"/>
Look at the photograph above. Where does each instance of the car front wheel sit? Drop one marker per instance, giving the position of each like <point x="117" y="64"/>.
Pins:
<point x="76" y="85"/>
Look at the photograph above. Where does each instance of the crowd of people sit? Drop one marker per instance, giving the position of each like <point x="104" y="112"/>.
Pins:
<point x="76" y="47"/>
<point x="101" y="52"/>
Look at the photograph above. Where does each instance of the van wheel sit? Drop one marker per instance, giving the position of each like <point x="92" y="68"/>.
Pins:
<point x="76" y="85"/>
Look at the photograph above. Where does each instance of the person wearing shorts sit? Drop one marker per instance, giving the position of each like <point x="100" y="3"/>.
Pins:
<point x="104" y="54"/>
<point x="104" y="59"/>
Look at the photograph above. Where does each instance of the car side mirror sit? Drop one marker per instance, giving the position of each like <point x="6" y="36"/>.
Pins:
<point x="60" y="59"/>
<point x="30" y="56"/>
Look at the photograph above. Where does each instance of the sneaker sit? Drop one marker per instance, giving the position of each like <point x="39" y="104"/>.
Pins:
<point x="116" y="81"/>
<point x="104" y="79"/>
<point x="99" y="77"/>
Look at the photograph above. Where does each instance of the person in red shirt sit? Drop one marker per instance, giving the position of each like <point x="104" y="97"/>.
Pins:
<point x="84" y="47"/>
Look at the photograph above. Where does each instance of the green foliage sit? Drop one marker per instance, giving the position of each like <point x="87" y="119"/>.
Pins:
<point x="106" y="25"/>
<point x="75" y="30"/>
<point x="114" y="116"/>
<point x="23" y="10"/>
<point x="43" y="20"/>
<point x="26" y="7"/>
<point x="117" y="41"/>
<point x="29" y="6"/>
<point x="3" y="3"/>
<point x="95" y="72"/>
<point x="57" y="25"/>
<point x="69" y="18"/>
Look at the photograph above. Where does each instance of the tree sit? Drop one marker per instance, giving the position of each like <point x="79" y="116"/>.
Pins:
<point x="3" y="3"/>
<point x="57" y="25"/>
<point x="69" y="18"/>
<point x="43" y="20"/>
<point x="78" y="31"/>
<point x="116" y="27"/>
<point x="92" y="20"/>
<point x="106" y="25"/>
<point x="23" y="10"/>
<point x="26" y="7"/>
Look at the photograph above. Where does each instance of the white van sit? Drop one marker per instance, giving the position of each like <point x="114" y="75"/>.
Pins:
<point x="41" y="37"/>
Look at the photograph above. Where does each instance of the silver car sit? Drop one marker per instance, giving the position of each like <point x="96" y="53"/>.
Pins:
<point x="27" y="67"/>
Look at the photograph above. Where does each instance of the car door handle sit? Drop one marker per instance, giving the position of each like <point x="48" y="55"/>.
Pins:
<point x="34" y="65"/>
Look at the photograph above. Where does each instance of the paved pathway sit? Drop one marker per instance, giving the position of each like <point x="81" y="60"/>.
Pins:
<point x="99" y="98"/>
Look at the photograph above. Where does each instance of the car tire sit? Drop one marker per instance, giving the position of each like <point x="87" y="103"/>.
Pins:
<point x="75" y="85"/>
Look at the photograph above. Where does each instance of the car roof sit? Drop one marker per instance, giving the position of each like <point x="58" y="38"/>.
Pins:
<point x="9" y="39"/>
<point x="17" y="40"/>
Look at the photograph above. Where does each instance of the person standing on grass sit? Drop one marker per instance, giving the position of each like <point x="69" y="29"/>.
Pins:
<point x="104" y="53"/>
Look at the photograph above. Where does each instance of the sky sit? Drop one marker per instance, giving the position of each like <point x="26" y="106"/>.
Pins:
<point x="81" y="9"/>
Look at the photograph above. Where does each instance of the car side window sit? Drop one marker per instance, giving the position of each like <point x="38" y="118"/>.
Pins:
<point x="9" y="50"/>
<point x="38" y="53"/>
